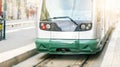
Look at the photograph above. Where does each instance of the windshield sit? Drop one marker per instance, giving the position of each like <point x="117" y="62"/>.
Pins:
<point x="76" y="11"/>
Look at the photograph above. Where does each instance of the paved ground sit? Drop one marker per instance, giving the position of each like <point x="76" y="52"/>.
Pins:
<point x="19" y="34"/>
<point x="17" y="39"/>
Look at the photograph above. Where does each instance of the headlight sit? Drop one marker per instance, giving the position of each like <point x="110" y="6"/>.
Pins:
<point x="45" y="26"/>
<point x="48" y="26"/>
<point x="89" y="25"/>
<point x="85" y="26"/>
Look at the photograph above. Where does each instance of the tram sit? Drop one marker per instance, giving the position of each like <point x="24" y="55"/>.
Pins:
<point x="71" y="27"/>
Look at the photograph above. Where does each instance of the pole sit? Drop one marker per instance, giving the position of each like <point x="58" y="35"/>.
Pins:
<point x="4" y="17"/>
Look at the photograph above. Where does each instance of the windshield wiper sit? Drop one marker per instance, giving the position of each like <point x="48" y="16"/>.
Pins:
<point x="65" y="17"/>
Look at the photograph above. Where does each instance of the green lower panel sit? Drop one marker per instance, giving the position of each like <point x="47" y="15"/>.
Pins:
<point x="66" y="46"/>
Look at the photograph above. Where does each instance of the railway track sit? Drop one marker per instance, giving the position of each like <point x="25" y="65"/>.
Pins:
<point x="44" y="61"/>
<point x="66" y="61"/>
<point x="80" y="62"/>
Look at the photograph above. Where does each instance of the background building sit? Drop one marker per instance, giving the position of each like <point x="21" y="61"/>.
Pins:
<point x="21" y="9"/>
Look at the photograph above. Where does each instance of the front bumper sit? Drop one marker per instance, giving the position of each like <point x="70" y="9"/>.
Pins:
<point x="67" y="46"/>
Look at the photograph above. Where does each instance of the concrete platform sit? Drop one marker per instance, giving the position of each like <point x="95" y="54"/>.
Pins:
<point x="32" y="61"/>
<point x="17" y="42"/>
<point x="17" y="39"/>
<point x="112" y="55"/>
